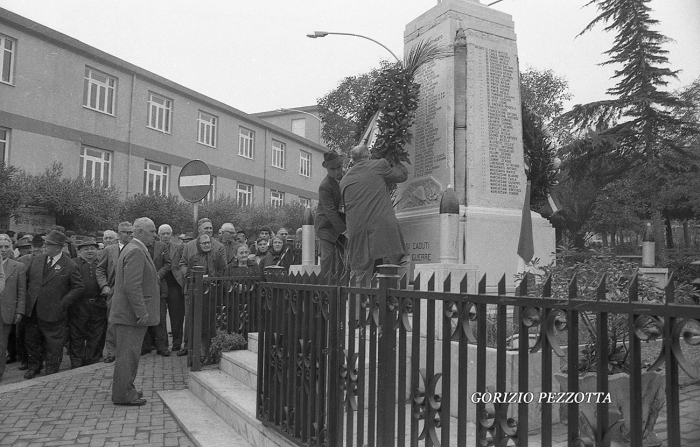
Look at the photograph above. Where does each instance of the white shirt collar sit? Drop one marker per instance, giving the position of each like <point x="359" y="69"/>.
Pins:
<point x="55" y="259"/>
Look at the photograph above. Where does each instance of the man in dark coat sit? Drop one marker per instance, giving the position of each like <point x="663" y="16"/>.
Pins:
<point x="87" y="316"/>
<point x="158" y="335"/>
<point x="373" y="229"/>
<point x="16" y="350"/>
<point x="54" y="284"/>
<point x="175" y="283"/>
<point x="135" y="306"/>
<point x="106" y="270"/>
<point x="330" y="220"/>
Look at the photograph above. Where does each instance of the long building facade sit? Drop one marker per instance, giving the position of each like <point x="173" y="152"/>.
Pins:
<point x="111" y="121"/>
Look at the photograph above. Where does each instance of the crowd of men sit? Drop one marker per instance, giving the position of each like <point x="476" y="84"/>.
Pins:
<point x="109" y="301"/>
<point x="57" y="291"/>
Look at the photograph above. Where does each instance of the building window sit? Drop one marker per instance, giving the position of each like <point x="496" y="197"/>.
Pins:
<point x="299" y="127"/>
<point x="207" y="129"/>
<point x="98" y="91"/>
<point x="278" y="149"/>
<point x="160" y="111"/>
<point x="246" y="141"/>
<point x="7" y="61"/>
<point x="4" y="144"/>
<point x="244" y="194"/>
<point x="212" y="191"/>
<point x="305" y="163"/>
<point x="96" y="165"/>
<point x="276" y="198"/>
<point x="155" y="178"/>
<point x="306" y="203"/>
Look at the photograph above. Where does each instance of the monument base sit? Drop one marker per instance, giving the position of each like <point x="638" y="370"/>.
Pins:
<point x="301" y="269"/>
<point x="441" y="271"/>
<point x="488" y="240"/>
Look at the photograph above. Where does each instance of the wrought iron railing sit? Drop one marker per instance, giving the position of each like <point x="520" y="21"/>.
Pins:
<point x="384" y="364"/>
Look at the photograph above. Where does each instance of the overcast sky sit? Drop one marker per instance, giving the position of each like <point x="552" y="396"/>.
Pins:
<point x="255" y="56"/>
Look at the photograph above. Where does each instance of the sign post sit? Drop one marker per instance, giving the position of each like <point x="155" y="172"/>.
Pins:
<point x="194" y="184"/>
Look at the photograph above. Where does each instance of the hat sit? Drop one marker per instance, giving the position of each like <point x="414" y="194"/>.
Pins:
<point x="331" y="159"/>
<point x="55" y="238"/>
<point x="38" y="240"/>
<point x="87" y="242"/>
<point x="228" y="227"/>
<point x="125" y="226"/>
<point x="24" y="242"/>
<point x="187" y="237"/>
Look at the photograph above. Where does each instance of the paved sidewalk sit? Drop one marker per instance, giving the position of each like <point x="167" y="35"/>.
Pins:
<point x="74" y="407"/>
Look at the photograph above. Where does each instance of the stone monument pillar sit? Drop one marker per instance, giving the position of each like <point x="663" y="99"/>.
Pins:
<point x="468" y="133"/>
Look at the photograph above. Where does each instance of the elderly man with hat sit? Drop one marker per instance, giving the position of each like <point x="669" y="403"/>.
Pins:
<point x="330" y="219"/>
<point x="54" y="283"/>
<point x="106" y="269"/>
<point x="87" y="316"/>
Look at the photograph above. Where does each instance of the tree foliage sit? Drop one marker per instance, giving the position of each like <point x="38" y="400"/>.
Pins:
<point x="250" y="218"/>
<point x="10" y="194"/>
<point x="161" y="209"/>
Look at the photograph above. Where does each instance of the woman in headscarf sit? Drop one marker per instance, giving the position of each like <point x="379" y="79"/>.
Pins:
<point x="277" y="255"/>
<point x="214" y="263"/>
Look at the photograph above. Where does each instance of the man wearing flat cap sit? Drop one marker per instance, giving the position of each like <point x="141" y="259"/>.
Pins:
<point x="330" y="219"/>
<point x="87" y="316"/>
<point x="54" y="283"/>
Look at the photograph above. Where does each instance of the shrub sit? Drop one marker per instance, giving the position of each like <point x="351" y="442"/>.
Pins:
<point x="224" y="342"/>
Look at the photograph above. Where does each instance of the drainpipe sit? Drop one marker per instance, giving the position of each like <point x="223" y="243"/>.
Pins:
<point x="131" y="126"/>
<point x="264" y="166"/>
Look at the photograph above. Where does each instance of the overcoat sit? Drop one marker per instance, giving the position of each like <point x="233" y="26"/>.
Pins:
<point x="161" y="259"/>
<point x="329" y="222"/>
<point x="12" y="298"/>
<point x="373" y="229"/>
<point x="54" y="292"/>
<point x="136" y="287"/>
<point x="175" y="255"/>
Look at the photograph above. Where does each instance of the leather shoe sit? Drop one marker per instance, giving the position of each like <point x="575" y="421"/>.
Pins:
<point x="145" y="351"/>
<point x="134" y="403"/>
<point x="181" y="352"/>
<point x="164" y="353"/>
<point x="23" y="366"/>
<point x="109" y="359"/>
<point x="30" y="374"/>
<point x="175" y="348"/>
<point x="140" y="394"/>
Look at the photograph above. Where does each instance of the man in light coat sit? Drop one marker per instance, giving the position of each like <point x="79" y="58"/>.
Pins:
<point x="373" y="229"/>
<point x="175" y="282"/>
<point x="135" y="306"/>
<point x="13" y="287"/>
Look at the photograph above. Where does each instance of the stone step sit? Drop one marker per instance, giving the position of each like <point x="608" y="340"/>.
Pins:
<point x="235" y="403"/>
<point x="241" y="365"/>
<point x="204" y="427"/>
<point x="253" y="342"/>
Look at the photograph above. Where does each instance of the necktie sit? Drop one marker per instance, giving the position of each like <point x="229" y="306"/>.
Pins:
<point x="47" y="267"/>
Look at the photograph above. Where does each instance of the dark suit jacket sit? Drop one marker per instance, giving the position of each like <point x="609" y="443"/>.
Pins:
<point x="12" y="298"/>
<point x="161" y="259"/>
<point x="107" y="266"/>
<point x="329" y="222"/>
<point x="54" y="293"/>
<point x="175" y="255"/>
<point x="136" y="287"/>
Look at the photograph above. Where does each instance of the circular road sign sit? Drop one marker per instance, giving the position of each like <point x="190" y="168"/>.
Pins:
<point x="194" y="181"/>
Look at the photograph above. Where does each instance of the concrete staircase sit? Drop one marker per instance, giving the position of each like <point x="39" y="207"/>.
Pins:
<point x="224" y="399"/>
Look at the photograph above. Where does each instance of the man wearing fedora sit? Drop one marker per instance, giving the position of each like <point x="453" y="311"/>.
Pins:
<point x="87" y="316"/>
<point x="330" y="220"/>
<point x="54" y="283"/>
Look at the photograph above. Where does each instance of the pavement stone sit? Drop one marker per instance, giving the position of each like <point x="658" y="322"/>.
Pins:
<point x="74" y="407"/>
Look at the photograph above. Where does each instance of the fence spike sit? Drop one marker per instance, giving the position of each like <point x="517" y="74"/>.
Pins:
<point x="502" y="285"/>
<point x="573" y="288"/>
<point x="447" y="283"/>
<point x="373" y="282"/>
<point x="431" y="283"/>
<point x="403" y="281"/>
<point x="547" y="287"/>
<point x="600" y="290"/>
<point x="669" y="289"/>
<point x="482" y="285"/>
<point x="521" y="290"/>
<point x="463" y="284"/>
<point x="416" y="282"/>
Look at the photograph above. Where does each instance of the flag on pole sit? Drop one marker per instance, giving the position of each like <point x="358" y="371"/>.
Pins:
<point x="526" y="244"/>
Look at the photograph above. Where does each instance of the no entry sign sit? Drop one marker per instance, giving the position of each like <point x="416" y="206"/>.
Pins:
<point x="194" y="181"/>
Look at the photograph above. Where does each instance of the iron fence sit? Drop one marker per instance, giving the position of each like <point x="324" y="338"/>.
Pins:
<point x="384" y="364"/>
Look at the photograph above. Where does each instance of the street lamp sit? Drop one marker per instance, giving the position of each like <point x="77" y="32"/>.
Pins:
<point x="320" y="123"/>
<point x="316" y="34"/>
